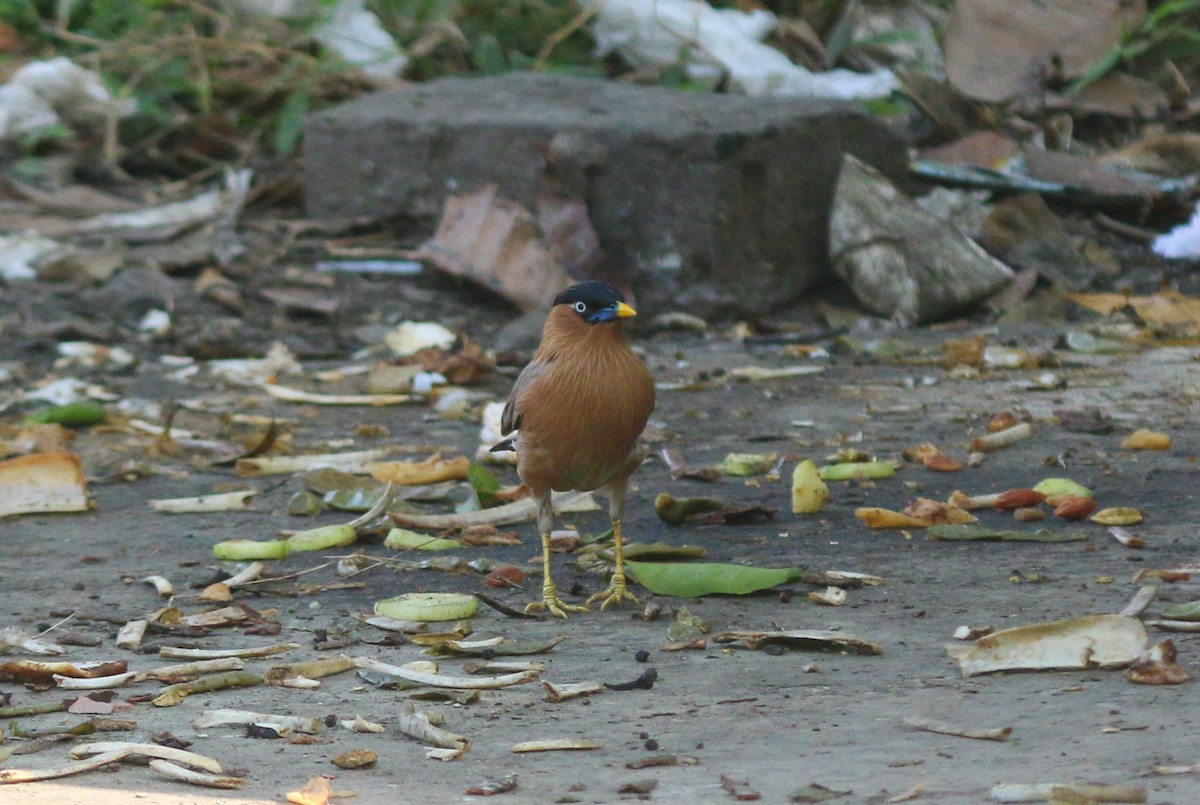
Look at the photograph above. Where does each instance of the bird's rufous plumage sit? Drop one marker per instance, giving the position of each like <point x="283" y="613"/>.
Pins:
<point x="578" y="409"/>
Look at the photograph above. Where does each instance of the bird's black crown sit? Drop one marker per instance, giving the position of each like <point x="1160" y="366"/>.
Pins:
<point x="593" y="293"/>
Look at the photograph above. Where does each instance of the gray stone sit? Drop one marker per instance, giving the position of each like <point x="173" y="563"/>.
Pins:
<point x="715" y="203"/>
<point x="899" y="260"/>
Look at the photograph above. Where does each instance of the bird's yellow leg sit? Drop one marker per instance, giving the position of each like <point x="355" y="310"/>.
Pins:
<point x="551" y="601"/>
<point x="616" y="592"/>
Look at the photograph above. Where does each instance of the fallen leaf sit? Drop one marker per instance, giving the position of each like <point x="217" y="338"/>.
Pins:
<point x="690" y="580"/>
<point x="1086" y="642"/>
<point x="816" y="639"/>
<point x="42" y="482"/>
<point x="316" y="791"/>
<point x="1117" y="516"/>
<point x="1146" y="439"/>
<point x="934" y="512"/>
<point x="988" y="534"/>
<point x="496" y="243"/>
<point x="430" y="471"/>
<point x="1168" y="312"/>
<point x="1158" y="666"/>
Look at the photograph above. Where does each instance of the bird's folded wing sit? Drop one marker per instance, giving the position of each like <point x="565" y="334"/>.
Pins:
<point x="510" y="419"/>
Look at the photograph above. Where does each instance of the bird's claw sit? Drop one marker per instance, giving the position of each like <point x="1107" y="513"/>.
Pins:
<point x="554" y="605"/>
<point x="615" y="594"/>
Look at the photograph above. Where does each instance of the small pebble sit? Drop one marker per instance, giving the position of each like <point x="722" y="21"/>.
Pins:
<point x="651" y="745"/>
<point x="642" y="656"/>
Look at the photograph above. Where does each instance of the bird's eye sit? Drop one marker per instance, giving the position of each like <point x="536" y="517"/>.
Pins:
<point x="580" y="307"/>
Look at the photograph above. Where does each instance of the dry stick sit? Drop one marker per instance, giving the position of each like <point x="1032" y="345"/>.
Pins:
<point x="54" y="626"/>
<point x="171" y="653"/>
<point x="295" y="575"/>
<point x="94" y="683"/>
<point x="193" y="668"/>
<point x="313" y="669"/>
<point x="37" y="775"/>
<point x="169" y="769"/>
<point x="418" y="725"/>
<point x="1140" y="601"/>
<point x="1135" y="233"/>
<point x="1001" y="438"/>
<point x="246" y="575"/>
<point x="945" y="728"/>
<point x="1046" y="792"/>
<point x="505" y="610"/>
<point x="149" y="750"/>
<point x="38" y="709"/>
<point x="174" y="694"/>
<point x="1175" y="626"/>
<point x="444" y="681"/>
<point x="223" y="718"/>
<point x="571" y="690"/>
<point x="558" y="37"/>
<point x="131" y="634"/>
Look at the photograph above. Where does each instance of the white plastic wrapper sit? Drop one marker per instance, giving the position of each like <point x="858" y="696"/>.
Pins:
<point x="21" y="254"/>
<point x="346" y="27"/>
<point x="1182" y="242"/>
<point x="721" y="42"/>
<point x="56" y="91"/>
<point x="359" y="38"/>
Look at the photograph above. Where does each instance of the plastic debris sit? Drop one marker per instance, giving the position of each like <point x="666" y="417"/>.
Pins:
<point x="719" y="43"/>
<point x="53" y="92"/>
<point x="1182" y="242"/>
<point x="358" y="37"/>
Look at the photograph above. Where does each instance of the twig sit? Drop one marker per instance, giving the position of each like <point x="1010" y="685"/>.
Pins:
<point x="221" y="718"/>
<point x="54" y="626"/>
<point x="945" y="728"/>
<point x="37" y="775"/>
<point x="34" y="709"/>
<point x="173" y="653"/>
<point x="174" y="694"/>
<point x="419" y="726"/>
<point x="505" y="610"/>
<point x="148" y="750"/>
<point x="169" y="769"/>
<point x="295" y="575"/>
<point x="446" y="681"/>
<point x="1137" y="234"/>
<point x="558" y="37"/>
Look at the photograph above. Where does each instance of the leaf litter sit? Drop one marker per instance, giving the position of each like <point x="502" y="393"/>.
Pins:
<point x="267" y="377"/>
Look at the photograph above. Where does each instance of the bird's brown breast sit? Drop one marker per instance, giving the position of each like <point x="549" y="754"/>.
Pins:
<point x="581" y="416"/>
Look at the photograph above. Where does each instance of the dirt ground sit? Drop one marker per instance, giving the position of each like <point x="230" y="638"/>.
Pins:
<point x="776" y="722"/>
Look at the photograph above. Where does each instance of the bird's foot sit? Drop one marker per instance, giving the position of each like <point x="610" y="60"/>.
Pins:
<point x="552" y="603"/>
<point x="615" y="594"/>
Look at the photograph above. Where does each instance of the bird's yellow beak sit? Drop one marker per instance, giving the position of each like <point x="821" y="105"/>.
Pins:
<point x="624" y="311"/>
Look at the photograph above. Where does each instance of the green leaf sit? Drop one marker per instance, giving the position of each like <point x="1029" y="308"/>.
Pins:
<point x="245" y="550"/>
<point x="352" y="500"/>
<point x="1183" y="612"/>
<point x="321" y="538"/>
<point x="489" y="57"/>
<point x="71" y="415"/>
<point x="689" y="580"/>
<point x="291" y="122"/>
<point x="969" y="531"/>
<point x="484" y="482"/>
<point x="401" y="539"/>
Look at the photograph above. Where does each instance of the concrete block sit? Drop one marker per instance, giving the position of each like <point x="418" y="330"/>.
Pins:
<point x="709" y="202"/>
